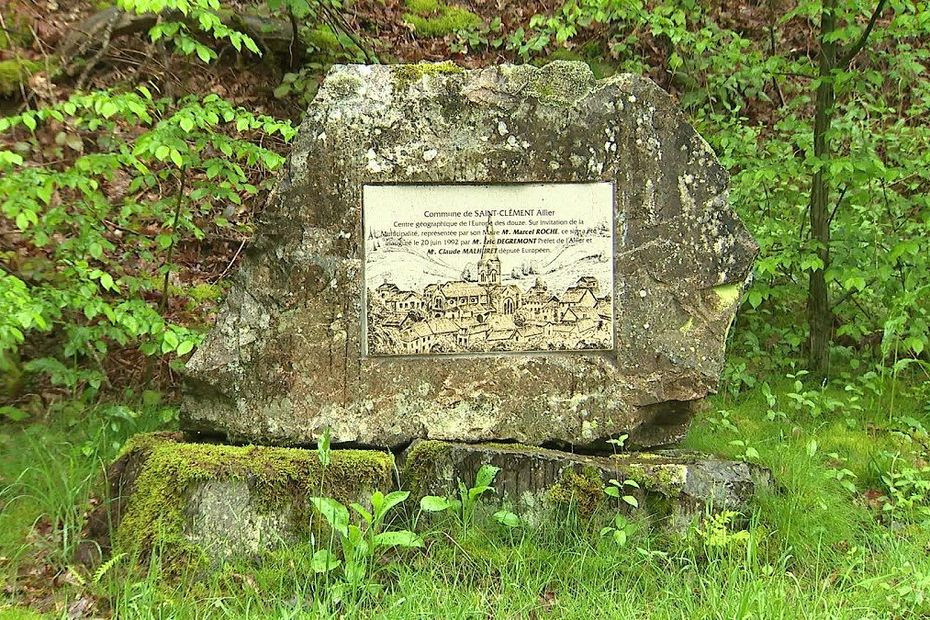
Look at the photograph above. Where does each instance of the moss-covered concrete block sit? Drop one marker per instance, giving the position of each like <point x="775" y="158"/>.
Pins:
<point x="197" y="501"/>
<point x="672" y="486"/>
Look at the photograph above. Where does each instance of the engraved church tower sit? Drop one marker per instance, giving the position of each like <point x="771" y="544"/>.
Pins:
<point x="489" y="267"/>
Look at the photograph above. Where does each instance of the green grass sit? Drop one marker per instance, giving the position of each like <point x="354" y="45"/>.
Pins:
<point x="814" y="548"/>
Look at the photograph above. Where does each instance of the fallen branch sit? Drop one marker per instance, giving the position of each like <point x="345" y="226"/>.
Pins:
<point x="93" y="34"/>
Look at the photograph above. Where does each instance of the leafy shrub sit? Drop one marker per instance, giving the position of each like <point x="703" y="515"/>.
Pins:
<point x="129" y="177"/>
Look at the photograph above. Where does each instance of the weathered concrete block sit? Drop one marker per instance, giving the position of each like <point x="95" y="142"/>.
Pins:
<point x="195" y="502"/>
<point x="289" y="356"/>
<point x="674" y="486"/>
<point x="216" y="501"/>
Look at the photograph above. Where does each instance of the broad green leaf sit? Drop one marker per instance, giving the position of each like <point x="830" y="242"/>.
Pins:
<point x="434" y="503"/>
<point x="367" y="516"/>
<point x="507" y="518"/>
<point x="390" y="500"/>
<point x="485" y="476"/>
<point x="398" y="538"/>
<point x="324" y="561"/>
<point x="335" y="513"/>
<point x="169" y="342"/>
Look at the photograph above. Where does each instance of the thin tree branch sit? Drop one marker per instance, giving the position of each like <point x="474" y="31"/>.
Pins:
<point x="851" y="292"/>
<point x="229" y="266"/>
<point x="174" y="230"/>
<point x="836" y="207"/>
<point x="858" y="45"/>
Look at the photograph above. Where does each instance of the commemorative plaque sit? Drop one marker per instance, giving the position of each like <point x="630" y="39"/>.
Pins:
<point x="483" y="268"/>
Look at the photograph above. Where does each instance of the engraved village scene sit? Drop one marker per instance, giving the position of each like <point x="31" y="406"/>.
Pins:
<point x="560" y="301"/>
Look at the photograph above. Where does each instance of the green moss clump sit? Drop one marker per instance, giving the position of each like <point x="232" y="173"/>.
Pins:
<point x="154" y="517"/>
<point x="323" y="38"/>
<point x="421" y="461"/>
<point x="14" y="73"/>
<point x="424" y="7"/>
<point x="433" y="18"/>
<point x="666" y="479"/>
<point x="584" y="490"/>
<point x="406" y="75"/>
<point x="563" y="83"/>
<point x="593" y="58"/>
<point x="17" y="33"/>
<point x="203" y="292"/>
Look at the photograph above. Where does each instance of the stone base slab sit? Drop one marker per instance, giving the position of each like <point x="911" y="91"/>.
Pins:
<point x="211" y="501"/>
<point x="197" y="501"/>
<point x="674" y="486"/>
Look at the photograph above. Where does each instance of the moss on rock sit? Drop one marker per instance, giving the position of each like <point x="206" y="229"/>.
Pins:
<point x="593" y="58"/>
<point x="14" y="73"/>
<point x="666" y="479"/>
<point x="155" y="516"/>
<point x="563" y="83"/>
<point x="421" y="462"/>
<point x="582" y="489"/>
<point x="433" y="18"/>
<point x="406" y="75"/>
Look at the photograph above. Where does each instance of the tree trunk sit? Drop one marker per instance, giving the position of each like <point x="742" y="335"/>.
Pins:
<point x="820" y="314"/>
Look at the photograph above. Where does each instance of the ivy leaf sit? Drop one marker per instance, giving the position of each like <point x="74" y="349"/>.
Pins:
<point x="204" y="53"/>
<point x="169" y="342"/>
<point x="106" y="280"/>
<point x="250" y="45"/>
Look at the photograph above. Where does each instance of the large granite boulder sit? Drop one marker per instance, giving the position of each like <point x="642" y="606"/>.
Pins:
<point x="289" y="355"/>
